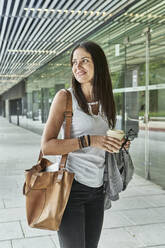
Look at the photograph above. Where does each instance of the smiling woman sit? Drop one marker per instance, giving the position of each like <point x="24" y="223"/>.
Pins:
<point x="93" y="114"/>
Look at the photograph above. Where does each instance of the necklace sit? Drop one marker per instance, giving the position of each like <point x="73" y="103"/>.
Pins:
<point x="99" y="112"/>
<point x="90" y="108"/>
<point x="92" y="103"/>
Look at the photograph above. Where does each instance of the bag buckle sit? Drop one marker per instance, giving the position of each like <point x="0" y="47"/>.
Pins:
<point x="59" y="177"/>
<point x="60" y="173"/>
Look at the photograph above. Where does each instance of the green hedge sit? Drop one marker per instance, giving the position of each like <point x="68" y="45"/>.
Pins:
<point x="153" y="114"/>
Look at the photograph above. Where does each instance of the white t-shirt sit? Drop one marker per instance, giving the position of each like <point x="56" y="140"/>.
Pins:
<point x="87" y="163"/>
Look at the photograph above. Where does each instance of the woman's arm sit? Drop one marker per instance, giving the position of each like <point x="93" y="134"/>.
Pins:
<point x="50" y="145"/>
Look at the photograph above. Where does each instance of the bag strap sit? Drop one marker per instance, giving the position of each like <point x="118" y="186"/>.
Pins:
<point x="68" y="118"/>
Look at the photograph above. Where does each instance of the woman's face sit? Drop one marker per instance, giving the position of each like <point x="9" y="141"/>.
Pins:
<point x="82" y="66"/>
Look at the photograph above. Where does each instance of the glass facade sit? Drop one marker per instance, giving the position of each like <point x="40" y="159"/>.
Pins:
<point x="134" y="45"/>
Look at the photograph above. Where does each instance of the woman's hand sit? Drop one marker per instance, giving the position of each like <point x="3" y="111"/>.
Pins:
<point x="127" y="144"/>
<point x="106" y="143"/>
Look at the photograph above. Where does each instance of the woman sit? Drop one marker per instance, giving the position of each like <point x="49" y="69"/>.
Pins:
<point x="93" y="114"/>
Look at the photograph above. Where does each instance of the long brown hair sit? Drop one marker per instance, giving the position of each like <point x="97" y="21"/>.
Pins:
<point x="102" y="85"/>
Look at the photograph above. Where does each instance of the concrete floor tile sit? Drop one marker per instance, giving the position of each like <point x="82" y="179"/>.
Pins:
<point x="143" y="216"/>
<point x="12" y="214"/>
<point x="20" y="180"/>
<point x="7" y="180"/>
<point x="139" y="181"/>
<point x="142" y="191"/>
<point x="149" y="234"/>
<point x="151" y="190"/>
<point x="15" y="202"/>
<point x="156" y="200"/>
<point x="131" y="203"/>
<point x="130" y="192"/>
<point x="118" y="238"/>
<point x="161" y="212"/>
<point x="5" y="244"/>
<point x="10" y="192"/>
<point x="10" y="230"/>
<point x="116" y="219"/>
<point x="33" y="243"/>
<point x="32" y="232"/>
<point x="157" y="246"/>
<point x="13" y="173"/>
<point x="1" y="203"/>
<point x="13" y="180"/>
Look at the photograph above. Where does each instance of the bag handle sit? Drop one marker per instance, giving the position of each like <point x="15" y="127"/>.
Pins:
<point x="68" y="118"/>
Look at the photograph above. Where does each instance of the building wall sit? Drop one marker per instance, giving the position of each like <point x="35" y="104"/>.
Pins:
<point x="17" y="91"/>
<point x="11" y="101"/>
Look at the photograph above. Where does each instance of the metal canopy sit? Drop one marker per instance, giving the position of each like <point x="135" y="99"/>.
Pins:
<point x="32" y="32"/>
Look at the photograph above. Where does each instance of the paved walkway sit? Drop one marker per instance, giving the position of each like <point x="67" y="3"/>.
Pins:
<point x="137" y="220"/>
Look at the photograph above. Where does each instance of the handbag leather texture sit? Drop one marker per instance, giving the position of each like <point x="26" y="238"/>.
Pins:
<point x="47" y="193"/>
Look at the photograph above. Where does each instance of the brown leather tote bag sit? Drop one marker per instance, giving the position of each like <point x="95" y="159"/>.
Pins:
<point x="47" y="193"/>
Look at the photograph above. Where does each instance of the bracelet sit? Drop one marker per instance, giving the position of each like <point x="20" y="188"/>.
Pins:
<point x="89" y="140"/>
<point x="82" y="141"/>
<point x="85" y="142"/>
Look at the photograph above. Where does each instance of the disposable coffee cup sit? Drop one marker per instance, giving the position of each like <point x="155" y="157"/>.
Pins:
<point x="114" y="133"/>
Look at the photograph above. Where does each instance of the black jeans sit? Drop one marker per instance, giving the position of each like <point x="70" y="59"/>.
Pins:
<point x="83" y="217"/>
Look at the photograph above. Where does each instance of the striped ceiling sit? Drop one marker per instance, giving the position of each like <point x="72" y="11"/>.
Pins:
<point x="32" y="32"/>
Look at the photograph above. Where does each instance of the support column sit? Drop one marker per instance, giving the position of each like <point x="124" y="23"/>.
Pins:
<point x="29" y="105"/>
<point x="147" y="155"/>
<point x="35" y="106"/>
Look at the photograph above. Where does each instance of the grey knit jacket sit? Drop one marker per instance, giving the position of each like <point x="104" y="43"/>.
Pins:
<point x="118" y="172"/>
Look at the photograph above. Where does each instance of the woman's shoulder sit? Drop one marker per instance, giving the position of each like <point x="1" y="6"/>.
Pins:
<point x="61" y="96"/>
<point x="62" y="93"/>
<point x="60" y="99"/>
